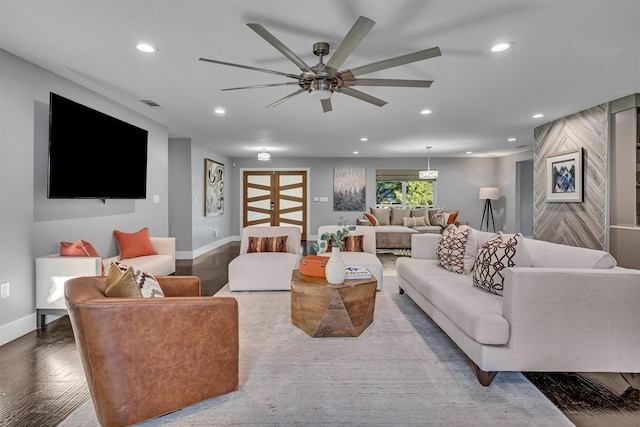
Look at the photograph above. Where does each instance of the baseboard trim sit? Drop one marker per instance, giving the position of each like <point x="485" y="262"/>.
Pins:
<point x="204" y="249"/>
<point x="17" y="328"/>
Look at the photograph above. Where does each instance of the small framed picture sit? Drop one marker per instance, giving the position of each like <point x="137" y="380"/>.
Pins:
<point x="564" y="177"/>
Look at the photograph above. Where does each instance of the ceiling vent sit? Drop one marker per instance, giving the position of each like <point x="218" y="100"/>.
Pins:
<point x="150" y="103"/>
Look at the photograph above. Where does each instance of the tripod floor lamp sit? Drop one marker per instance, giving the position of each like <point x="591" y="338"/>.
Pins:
<point x="488" y="194"/>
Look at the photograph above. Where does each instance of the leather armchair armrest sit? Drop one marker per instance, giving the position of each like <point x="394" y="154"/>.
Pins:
<point x="179" y="286"/>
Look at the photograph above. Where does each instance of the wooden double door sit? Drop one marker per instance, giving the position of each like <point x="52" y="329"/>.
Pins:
<point x="275" y="198"/>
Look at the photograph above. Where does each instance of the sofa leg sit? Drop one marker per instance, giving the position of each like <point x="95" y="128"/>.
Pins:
<point x="484" y="377"/>
<point x="401" y="291"/>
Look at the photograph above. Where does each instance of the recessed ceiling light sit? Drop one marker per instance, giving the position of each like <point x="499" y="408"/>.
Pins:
<point x="469" y="152"/>
<point x="355" y="152"/>
<point x="426" y="111"/>
<point x="511" y="139"/>
<point x="220" y="111"/>
<point x="501" y="47"/>
<point x="537" y="116"/>
<point x="364" y="139"/>
<point x="146" y="48"/>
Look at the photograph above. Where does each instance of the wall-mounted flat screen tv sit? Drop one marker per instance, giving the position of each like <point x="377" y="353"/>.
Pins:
<point x="93" y="155"/>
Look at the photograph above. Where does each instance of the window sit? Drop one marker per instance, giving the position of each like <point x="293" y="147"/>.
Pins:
<point x="403" y="189"/>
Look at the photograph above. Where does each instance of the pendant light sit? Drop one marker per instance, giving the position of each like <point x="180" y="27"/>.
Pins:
<point x="430" y="174"/>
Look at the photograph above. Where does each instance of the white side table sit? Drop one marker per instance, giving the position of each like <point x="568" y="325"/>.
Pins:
<point x="51" y="273"/>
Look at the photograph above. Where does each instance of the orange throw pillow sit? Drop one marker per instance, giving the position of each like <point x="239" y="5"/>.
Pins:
<point x="372" y="219"/>
<point x="78" y="248"/>
<point x="452" y="217"/>
<point x="133" y="245"/>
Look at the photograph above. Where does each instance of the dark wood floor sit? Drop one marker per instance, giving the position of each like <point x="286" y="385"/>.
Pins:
<point x="42" y="382"/>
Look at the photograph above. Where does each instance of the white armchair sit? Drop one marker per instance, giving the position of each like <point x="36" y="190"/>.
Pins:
<point x="265" y="271"/>
<point x="367" y="259"/>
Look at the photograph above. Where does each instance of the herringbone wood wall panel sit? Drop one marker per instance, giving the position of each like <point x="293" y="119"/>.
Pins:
<point x="576" y="224"/>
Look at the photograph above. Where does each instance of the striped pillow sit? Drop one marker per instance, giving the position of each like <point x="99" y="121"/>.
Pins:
<point x="267" y="244"/>
<point x="351" y="244"/>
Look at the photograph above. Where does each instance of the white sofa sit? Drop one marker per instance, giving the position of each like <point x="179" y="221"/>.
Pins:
<point x="367" y="259"/>
<point x="572" y="310"/>
<point x="265" y="271"/>
<point x="162" y="264"/>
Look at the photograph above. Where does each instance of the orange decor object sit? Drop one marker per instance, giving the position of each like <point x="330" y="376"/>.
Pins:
<point x="134" y="244"/>
<point x="78" y="248"/>
<point x="313" y="265"/>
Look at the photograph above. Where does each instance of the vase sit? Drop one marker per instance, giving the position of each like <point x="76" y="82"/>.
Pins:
<point x="335" y="269"/>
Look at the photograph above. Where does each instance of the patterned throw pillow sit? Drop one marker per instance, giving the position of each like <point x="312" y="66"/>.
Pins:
<point x="452" y="248"/>
<point x="267" y="244"/>
<point x="351" y="244"/>
<point x="133" y="245"/>
<point x="497" y="253"/>
<point x="125" y="281"/>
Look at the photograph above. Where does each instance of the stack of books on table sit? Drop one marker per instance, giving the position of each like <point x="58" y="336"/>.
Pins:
<point x="357" y="273"/>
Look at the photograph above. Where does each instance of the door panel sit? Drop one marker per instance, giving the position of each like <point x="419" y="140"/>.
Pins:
<point x="275" y="198"/>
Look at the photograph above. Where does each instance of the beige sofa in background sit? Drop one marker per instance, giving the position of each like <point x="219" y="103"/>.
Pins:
<point x="392" y="234"/>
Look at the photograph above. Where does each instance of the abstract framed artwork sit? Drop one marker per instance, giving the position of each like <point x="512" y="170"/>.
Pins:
<point x="213" y="188"/>
<point x="564" y="177"/>
<point x="349" y="189"/>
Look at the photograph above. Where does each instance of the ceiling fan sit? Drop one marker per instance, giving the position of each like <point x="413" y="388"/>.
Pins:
<point x="322" y="80"/>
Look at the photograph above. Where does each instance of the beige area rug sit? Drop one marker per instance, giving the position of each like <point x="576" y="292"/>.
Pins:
<point x="403" y="370"/>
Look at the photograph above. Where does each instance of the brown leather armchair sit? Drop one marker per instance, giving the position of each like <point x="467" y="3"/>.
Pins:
<point x="145" y="357"/>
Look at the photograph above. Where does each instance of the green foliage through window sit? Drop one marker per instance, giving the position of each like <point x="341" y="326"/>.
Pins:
<point x="410" y="194"/>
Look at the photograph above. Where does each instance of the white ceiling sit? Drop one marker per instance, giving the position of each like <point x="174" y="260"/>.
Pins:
<point x="569" y="55"/>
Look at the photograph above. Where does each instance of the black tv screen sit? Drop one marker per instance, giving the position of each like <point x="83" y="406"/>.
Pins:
<point x="93" y="155"/>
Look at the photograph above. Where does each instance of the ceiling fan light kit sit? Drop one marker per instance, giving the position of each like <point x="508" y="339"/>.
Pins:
<point x="322" y="80"/>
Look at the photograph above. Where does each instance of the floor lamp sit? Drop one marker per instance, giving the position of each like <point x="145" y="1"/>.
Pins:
<point x="488" y="194"/>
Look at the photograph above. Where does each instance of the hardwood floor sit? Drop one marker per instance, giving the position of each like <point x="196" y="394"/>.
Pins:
<point x="42" y="381"/>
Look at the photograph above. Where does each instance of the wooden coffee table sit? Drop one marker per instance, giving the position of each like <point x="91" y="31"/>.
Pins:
<point x="324" y="310"/>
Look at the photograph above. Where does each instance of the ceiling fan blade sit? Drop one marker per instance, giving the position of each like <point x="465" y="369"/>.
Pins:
<point x="262" y="32"/>
<point x="398" y="60"/>
<point x="293" y="76"/>
<point x="281" y="100"/>
<point x="326" y="105"/>
<point x="362" y="96"/>
<point x="350" y="41"/>
<point x="259" y="86"/>
<point x="388" y="82"/>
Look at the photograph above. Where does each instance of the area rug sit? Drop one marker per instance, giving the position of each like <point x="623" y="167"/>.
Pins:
<point x="403" y="370"/>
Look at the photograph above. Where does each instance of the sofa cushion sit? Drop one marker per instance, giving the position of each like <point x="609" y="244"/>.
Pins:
<point x="382" y="215"/>
<point x="547" y="254"/>
<point x="78" y="248"/>
<point x="498" y="253"/>
<point x="267" y="244"/>
<point x="416" y="221"/>
<point x="397" y="214"/>
<point x="126" y="281"/>
<point x="452" y="248"/>
<point x="450" y="217"/>
<point x="421" y="212"/>
<point x="371" y="219"/>
<point x="134" y="244"/>
<point x="477" y="313"/>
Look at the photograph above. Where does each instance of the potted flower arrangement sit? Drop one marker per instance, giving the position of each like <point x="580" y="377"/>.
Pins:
<point x="440" y="218"/>
<point x="335" y="269"/>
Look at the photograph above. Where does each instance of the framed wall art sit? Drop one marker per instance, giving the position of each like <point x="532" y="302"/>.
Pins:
<point x="349" y="189"/>
<point x="564" y="177"/>
<point x="213" y="188"/>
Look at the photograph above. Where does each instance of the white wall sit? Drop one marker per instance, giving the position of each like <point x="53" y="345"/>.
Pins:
<point x="32" y="225"/>
<point x="456" y="188"/>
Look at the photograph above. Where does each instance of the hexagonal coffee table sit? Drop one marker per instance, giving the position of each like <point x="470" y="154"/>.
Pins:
<point x="324" y="310"/>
